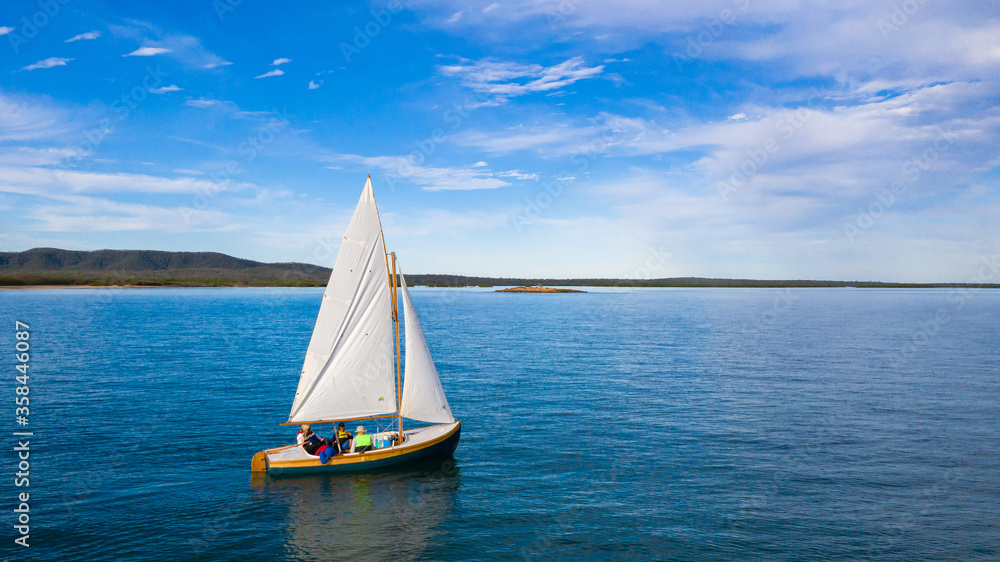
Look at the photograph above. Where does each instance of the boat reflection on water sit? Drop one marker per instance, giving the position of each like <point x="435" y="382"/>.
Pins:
<point x="389" y="514"/>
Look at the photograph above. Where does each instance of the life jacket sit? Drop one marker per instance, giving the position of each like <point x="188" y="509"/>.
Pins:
<point x="313" y="438"/>
<point x="362" y="440"/>
<point x="343" y="434"/>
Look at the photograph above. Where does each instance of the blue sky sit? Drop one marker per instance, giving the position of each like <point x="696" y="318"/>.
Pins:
<point x="732" y="138"/>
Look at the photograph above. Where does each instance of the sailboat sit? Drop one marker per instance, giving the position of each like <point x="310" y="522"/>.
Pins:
<point x="352" y="366"/>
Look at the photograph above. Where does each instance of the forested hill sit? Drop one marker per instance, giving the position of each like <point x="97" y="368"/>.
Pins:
<point x="51" y="266"/>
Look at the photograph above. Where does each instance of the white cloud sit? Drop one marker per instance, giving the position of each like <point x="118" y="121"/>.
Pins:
<point x="547" y="139"/>
<point x="516" y="174"/>
<point x="314" y="85"/>
<point x="479" y="164"/>
<point x="455" y="17"/>
<point x="430" y="179"/>
<point x="504" y="80"/>
<point x="859" y="128"/>
<point x="929" y="41"/>
<point x="94" y="214"/>
<point x="228" y="107"/>
<point x="737" y="117"/>
<point x="27" y="156"/>
<point x="186" y="49"/>
<point x="51" y="182"/>
<point x="203" y="103"/>
<point x="47" y="63"/>
<point x="84" y="36"/>
<point x="148" y="52"/>
<point x="280" y="61"/>
<point x="4" y="30"/>
<point x="491" y="7"/>
<point x="275" y="72"/>
<point x="165" y="89"/>
<point x="38" y="119"/>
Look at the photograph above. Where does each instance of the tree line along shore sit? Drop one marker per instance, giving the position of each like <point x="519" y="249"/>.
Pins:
<point x="151" y="268"/>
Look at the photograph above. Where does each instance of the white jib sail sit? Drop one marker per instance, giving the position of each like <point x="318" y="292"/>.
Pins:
<point x="348" y="369"/>
<point x="423" y="397"/>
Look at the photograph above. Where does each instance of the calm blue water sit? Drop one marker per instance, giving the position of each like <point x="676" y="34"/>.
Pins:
<point x="695" y="424"/>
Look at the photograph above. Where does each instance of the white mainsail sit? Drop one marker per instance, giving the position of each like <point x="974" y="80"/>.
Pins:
<point x="423" y="396"/>
<point x="348" y="369"/>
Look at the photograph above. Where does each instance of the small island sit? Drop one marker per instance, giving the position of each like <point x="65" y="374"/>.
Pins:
<point x="537" y="289"/>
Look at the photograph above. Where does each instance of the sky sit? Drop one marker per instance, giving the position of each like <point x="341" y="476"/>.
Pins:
<point x="768" y="139"/>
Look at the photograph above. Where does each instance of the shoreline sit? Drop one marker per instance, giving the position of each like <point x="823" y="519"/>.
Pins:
<point x="46" y="287"/>
<point x="509" y="290"/>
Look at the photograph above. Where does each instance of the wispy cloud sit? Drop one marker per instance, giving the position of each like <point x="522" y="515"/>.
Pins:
<point x="95" y="214"/>
<point x="30" y="119"/>
<point x="49" y="182"/>
<point x="184" y="48"/>
<point x="517" y="174"/>
<point x="84" y="36"/>
<point x="148" y="52"/>
<point x="504" y="80"/>
<point x="203" y="103"/>
<point x="491" y="7"/>
<point x="165" y="89"/>
<point x="455" y="17"/>
<point x="27" y="156"/>
<point x="275" y="72"/>
<point x="47" y="63"/>
<point x="314" y="85"/>
<point x="281" y="61"/>
<point x="429" y="178"/>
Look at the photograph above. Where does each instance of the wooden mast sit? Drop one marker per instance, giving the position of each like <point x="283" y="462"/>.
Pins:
<point x="399" y="375"/>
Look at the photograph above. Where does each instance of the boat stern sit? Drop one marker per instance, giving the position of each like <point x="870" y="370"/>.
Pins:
<point x="259" y="462"/>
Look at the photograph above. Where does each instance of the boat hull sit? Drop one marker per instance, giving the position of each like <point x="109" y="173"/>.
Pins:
<point x="438" y="447"/>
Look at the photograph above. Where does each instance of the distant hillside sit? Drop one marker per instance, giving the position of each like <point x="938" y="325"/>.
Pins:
<point x="464" y="281"/>
<point x="51" y="266"/>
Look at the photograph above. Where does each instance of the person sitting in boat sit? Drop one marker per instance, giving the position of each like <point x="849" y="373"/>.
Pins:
<point x="310" y="441"/>
<point x="344" y="437"/>
<point x="362" y="441"/>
